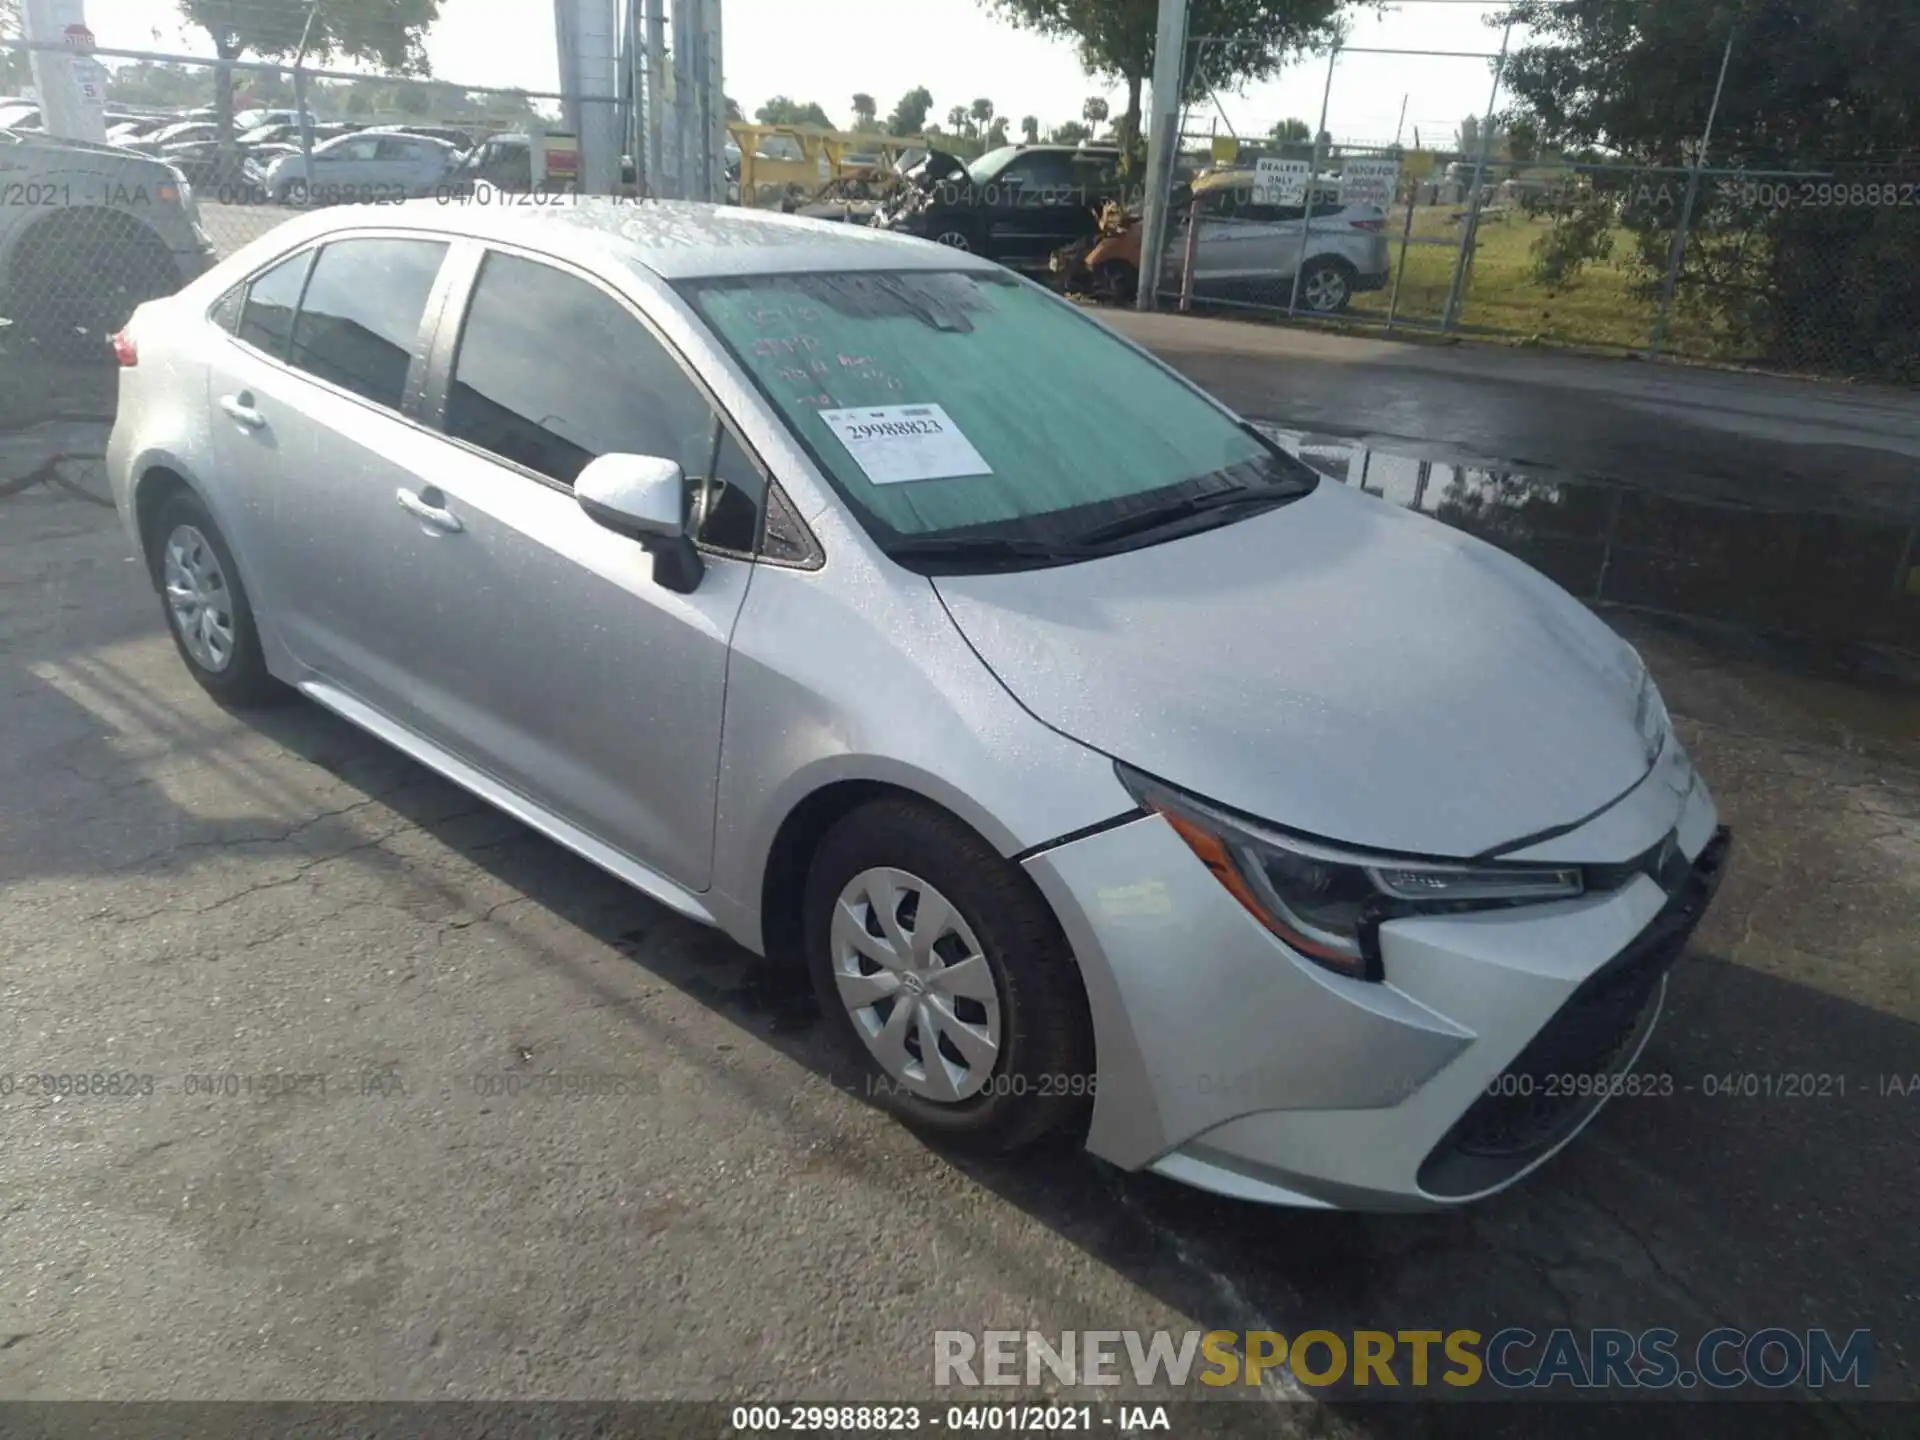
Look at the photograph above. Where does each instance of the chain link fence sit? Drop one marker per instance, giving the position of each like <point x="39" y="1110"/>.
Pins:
<point x="1813" y="269"/>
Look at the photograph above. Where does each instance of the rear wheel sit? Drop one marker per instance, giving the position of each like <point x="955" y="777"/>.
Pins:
<point x="954" y="237"/>
<point x="206" y="605"/>
<point x="1326" y="285"/>
<point x="943" y="971"/>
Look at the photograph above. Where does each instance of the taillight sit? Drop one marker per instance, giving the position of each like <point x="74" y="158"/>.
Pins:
<point x="1374" y="225"/>
<point x="124" y="350"/>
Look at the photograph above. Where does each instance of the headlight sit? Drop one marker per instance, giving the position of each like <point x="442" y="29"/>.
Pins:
<point x="1328" y="903"/>
<point x="1651" y="719"/>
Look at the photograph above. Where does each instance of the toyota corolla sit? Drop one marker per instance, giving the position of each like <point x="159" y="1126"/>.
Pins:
<point x="1110" y="771"/>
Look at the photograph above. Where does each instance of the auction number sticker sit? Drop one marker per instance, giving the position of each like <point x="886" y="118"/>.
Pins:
<point x="895" y="444"/>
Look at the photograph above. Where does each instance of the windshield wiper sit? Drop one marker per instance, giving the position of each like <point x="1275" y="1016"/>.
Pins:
<point x="987" y="547"/>
<point x="1161" y="516"/>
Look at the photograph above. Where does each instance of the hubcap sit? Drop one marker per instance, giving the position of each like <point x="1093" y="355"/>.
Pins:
<point x="955" y="239"/>
<point x="916" y="984"/>
<point x="198" y="599"/>
<point x="1326" y="289"/>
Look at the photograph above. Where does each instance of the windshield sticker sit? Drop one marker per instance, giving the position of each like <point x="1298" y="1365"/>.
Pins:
<point x="895" y="444"/>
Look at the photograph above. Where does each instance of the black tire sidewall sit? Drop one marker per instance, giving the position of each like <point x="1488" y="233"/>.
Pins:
<point x="246" y="680"/>
<point x="1045" y="1034"/>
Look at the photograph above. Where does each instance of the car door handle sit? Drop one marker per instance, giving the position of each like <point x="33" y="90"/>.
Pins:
<point x="240" y="408"/>
<point x="429" y="508"/>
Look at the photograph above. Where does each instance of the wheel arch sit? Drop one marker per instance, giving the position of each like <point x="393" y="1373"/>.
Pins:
<point x="828" y="800"/>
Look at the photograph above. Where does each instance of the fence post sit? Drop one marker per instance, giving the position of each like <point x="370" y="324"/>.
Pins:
<point x="1679" y="251"/>
<point x="1406" y="243"/>
<point x="1193" y="246"/>
<point x="1470" y="236"/>
<point x="1313" y="185"/>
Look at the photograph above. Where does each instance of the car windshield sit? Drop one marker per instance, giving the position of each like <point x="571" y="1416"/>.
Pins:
<point x="972" y="404"/>
<point x="991" y="164"/>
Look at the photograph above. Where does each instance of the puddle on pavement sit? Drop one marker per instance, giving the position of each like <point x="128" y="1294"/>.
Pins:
<point x="1824" y="577"/>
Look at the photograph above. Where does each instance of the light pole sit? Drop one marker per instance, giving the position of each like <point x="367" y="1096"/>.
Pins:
<point x="300" y="93"/>
<point x="1163" y="144"/>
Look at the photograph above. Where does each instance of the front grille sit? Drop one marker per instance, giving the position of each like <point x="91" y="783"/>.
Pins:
<point x="1557" y="1082"/>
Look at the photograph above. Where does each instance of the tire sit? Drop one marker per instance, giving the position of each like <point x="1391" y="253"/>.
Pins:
<point x="189" y="553"/>
<point x="999" y="967"/>
<point x="79" y="274"/>
<point x="954" y="237"/>
<point x="1326" y="285"/>
<point x="1116" y="282"/>
<point x="294" y="193"/>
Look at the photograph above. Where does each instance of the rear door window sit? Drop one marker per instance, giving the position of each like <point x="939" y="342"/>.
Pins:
<point x="360" y="319"/>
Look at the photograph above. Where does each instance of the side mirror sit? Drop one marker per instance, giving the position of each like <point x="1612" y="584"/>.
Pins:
<point x="644" y="498"/>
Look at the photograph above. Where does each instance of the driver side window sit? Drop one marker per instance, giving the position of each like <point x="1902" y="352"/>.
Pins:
<point x="552" y="371"/>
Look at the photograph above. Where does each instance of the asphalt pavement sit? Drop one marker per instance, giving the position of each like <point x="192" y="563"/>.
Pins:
<point x="403" y="1101"/>
<point x="413" y="1104"/>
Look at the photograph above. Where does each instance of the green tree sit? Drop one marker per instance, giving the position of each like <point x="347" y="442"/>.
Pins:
<point x="957" y="119"/>
<point x="996" y="134"/>
<point x="782" y="110"/>
<point x="865" y="112"/>
<point x="734" y="112"/>
<point x="909" y="117"/>
<point x="1070" y="133"/>
<point x="1291" y="131"/>
<point x="1095" y="111"/>
<point x="1810" y="85"/>
<point x="1251" y="40"/>
<point x="1030" y="129"/>
<point x="981" y="112"/>
<point x="387" y="33"/>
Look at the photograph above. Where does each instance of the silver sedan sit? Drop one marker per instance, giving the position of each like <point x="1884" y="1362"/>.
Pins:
<point x="1109" y="771"/>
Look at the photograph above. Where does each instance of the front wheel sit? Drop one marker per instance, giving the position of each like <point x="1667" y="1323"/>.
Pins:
<point x="943" y="971"/>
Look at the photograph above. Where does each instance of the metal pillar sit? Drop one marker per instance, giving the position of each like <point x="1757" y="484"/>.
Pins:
<point x="1163" y="144"/>
<point x="1313" y="182"/>
<point x="1456" y="293"/>
<point x="657" y="100"/>
<point x="716" y="93"/>
<point x="1679" y="251"/>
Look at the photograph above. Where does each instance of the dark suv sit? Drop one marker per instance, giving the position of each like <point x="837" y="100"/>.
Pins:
<point x="1016" y="205"/>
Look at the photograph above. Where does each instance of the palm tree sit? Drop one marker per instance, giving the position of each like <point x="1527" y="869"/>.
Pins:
<point x="982" y="113"/>
<point x="865" y="112"/>
<point x="1095" y="111"/>
<point x="957" y="119"/>
<point x="1030" y="129"/>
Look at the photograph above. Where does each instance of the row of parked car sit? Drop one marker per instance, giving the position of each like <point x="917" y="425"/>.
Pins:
<point x="265" y="158"/>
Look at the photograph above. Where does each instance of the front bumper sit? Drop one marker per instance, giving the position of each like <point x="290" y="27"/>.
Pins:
<point x="1230" y="1063"/>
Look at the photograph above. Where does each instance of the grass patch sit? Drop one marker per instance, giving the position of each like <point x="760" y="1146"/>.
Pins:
<point x="1596" y="307"/>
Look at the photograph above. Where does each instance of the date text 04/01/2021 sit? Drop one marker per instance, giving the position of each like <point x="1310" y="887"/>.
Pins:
<point x="959" y="1419"/>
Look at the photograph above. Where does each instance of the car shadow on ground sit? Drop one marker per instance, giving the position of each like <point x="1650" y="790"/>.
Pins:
<point x="1733" y="1196"/>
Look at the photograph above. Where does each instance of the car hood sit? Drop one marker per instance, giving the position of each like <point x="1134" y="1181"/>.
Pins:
<point x="1336" y="666"/>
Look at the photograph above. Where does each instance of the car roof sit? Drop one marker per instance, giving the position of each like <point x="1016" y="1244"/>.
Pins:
<point x="672" y="239"/>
